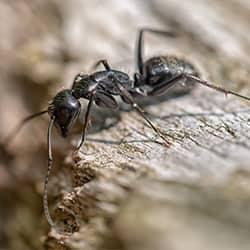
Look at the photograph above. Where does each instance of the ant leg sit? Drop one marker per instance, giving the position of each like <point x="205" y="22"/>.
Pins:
<point x="163" y="86"/>
<point x="158" y="89"/>
<point x="104" y="63"/>
<point x="86" y="121"/>
<point x="13" y="134"/>
<point x="140" y="111"/>
<point x="139" y="44"/>
<point x="220" y="89"/>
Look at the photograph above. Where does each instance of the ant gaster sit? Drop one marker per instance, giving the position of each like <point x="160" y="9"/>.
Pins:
<point x="154" y="77"/>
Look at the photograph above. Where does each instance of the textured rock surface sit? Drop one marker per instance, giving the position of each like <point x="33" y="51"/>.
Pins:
<point x="124" y="189"/>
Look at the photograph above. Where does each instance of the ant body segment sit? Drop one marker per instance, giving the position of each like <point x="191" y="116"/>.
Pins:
<point x="154" y="77"/>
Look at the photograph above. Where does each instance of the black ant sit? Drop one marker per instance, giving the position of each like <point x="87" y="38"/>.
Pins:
<point x="154" y="77"/>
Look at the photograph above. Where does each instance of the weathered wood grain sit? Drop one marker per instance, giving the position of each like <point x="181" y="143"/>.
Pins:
<point x="124" y="189"/>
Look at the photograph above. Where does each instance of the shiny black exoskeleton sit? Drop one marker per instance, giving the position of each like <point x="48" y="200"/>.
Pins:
<point x="160" y="73"/>
<point x="99" y="88"/>
<point x="154" y="77"/>
<point x="157" y="74"/>
<point x="65" y="108"/>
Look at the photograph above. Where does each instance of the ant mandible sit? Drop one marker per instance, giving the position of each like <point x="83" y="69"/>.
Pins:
<point x="155" y="76"/>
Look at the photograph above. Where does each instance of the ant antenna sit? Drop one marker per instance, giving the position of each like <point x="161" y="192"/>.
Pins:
<point x="13" y="134"/>
<point x="50" y="161"/>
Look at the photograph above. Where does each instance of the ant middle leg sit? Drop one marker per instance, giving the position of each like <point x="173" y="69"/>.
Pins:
<point x="129" y="99"/>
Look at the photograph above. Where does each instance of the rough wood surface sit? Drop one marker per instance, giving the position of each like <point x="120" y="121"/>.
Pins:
<point x="124" y="189"/>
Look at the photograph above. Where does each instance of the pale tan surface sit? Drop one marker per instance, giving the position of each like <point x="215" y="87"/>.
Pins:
<point x="125" y="191"/>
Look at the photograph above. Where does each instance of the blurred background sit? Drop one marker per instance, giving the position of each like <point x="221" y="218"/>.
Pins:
<point x="45" y="43"/>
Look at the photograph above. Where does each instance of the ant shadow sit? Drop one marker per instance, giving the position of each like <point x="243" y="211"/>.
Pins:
<point x="115" y="115"/>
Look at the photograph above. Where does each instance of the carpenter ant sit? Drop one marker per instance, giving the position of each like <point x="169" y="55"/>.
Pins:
<point x="154" y="77"/>
<point x="98" y="88"/>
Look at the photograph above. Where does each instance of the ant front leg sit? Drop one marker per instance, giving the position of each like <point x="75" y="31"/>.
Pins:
<point x="139" y="44"/>
<point x="129" y="98"/>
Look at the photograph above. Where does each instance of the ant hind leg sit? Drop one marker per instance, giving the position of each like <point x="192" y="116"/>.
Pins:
<point x="220" y="89"/>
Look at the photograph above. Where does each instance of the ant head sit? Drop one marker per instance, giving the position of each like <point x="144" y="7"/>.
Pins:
<point x="65" y="109"/>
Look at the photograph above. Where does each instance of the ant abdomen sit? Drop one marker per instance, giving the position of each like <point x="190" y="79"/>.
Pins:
<point x="165" y="68"/>
<point x="162" y="72"/>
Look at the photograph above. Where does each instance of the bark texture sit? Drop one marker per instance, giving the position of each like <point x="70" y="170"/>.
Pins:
<point x="124" y="189"/>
